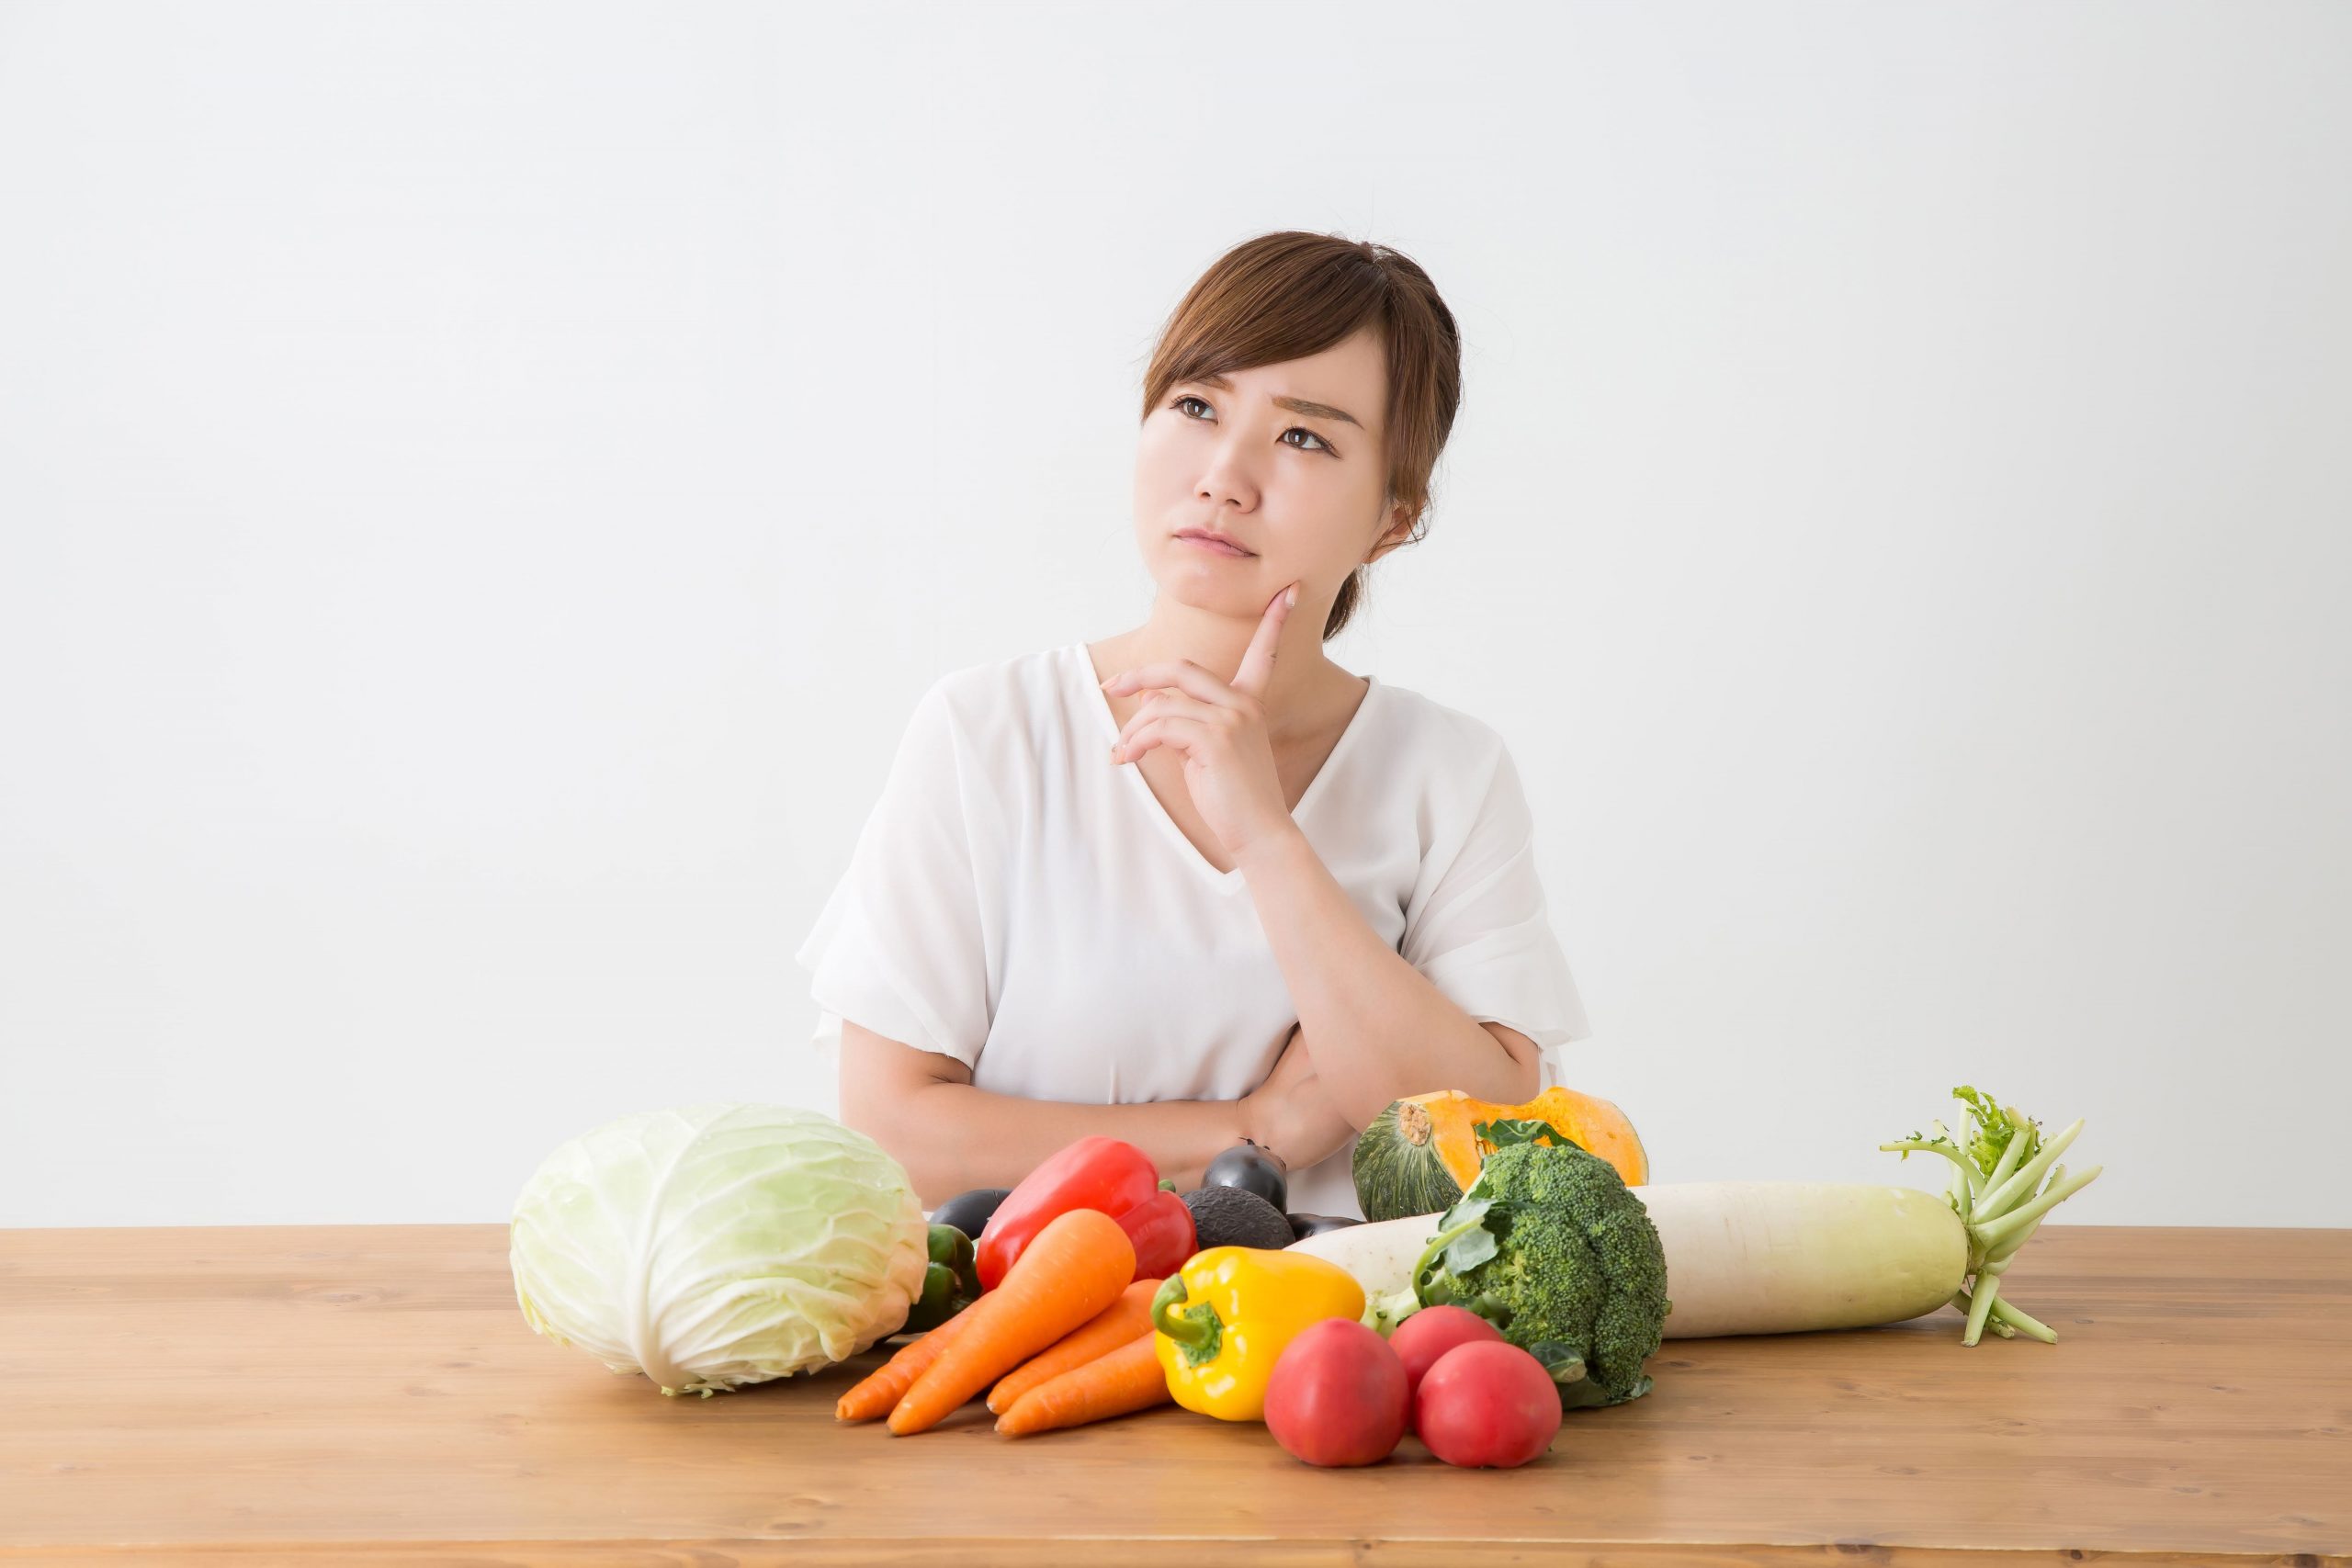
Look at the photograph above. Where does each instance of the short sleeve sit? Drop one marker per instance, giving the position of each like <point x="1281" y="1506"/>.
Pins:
<point x="1477" y="925"/>
<point x="898" y="947"/>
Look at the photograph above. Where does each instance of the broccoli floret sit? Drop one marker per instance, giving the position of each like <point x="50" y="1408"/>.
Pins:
<point x="1551" y="1247"/>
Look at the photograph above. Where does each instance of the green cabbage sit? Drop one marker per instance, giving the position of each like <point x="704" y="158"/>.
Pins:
<point x="719" y="1244"/>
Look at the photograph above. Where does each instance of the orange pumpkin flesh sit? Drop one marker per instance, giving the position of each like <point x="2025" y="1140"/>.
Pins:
<point x="1450" y="1120"/>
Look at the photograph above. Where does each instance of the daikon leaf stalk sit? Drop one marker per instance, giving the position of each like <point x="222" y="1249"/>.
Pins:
<point x="2004" y="1182"/>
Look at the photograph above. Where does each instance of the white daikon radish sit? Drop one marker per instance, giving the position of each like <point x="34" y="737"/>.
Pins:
<point x="1789" y="1257"/>
<point x="1786" y="1256"/>
<point x="1380" y="1254"/>
<point x="1783" y="1257"/>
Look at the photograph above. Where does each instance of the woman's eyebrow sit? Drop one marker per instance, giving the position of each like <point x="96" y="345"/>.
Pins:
<point x="1296" y="405"/>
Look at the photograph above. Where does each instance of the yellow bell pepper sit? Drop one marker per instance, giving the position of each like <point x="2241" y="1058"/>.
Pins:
<point x="1222" y="1321"/>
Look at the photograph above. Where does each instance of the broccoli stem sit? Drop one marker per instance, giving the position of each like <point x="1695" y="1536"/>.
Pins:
<point x="1437" y="1243"/>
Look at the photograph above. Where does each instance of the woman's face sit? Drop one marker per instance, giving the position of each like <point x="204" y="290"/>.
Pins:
<point x="1301" y="488"/>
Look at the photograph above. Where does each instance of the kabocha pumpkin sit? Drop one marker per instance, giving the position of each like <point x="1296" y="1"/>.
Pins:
<point x="1421" y="1154"/>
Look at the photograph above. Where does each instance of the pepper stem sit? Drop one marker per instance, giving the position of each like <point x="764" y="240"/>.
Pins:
<point x="1195" y="1328"/>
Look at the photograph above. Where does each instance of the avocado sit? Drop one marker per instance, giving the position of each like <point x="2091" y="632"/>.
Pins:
<point x="1232" y="1216"/>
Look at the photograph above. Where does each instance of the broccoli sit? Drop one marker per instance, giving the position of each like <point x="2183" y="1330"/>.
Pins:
<point x="1551" y="1247"/>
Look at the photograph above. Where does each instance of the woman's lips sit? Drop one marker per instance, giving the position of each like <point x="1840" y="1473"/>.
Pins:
<point x="1215" y="546"/>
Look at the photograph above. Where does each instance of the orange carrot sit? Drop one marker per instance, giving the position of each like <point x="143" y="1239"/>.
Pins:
<point x="881" y="1388"/>
<point x="1070" y="1271"/>
<point x="1105" y="1332"/>
<point x="1129" y="1377"/>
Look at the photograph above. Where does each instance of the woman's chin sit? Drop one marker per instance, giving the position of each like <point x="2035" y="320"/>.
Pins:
<point x="1214" y="598"/>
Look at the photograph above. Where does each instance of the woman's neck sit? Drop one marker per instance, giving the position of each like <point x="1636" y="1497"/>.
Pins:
<point x="1297" y="694"/>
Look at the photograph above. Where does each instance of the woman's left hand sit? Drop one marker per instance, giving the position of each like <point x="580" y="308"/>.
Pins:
<point x="1289" y="1112"/>
<point x="1220" y="728"/>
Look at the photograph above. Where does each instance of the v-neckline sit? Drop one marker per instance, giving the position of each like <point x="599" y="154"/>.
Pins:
<point x="1108" y="720"/>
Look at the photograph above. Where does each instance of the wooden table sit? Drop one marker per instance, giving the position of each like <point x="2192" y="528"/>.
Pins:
<point x="371" y="1393"/>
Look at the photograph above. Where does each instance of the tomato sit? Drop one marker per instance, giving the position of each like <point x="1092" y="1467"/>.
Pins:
<point x="1429" y="1332"/>
<point x="1337" y="1395"/>
<point x="1487" y="1402"/>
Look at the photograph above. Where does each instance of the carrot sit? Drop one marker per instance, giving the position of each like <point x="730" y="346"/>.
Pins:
<point x="1105" y="1332"/>
<point x="1070" y="1271"/>
<point x="881" y="1388"/>
<point x="1129" y="1377"/>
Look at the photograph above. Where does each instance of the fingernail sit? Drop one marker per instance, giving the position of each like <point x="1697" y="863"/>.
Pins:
<point x="1291" y="597"/>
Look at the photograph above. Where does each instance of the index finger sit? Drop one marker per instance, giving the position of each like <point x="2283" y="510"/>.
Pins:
<point x="1258" y="660"/>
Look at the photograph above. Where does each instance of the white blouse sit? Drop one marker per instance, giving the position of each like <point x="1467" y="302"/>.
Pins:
<point x="1017" y="901"/>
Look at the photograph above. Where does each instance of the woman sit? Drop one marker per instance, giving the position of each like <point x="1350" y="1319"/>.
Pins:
<point x="1195" y="884"/>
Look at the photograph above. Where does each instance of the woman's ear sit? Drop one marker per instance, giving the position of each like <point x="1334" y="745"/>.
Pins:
<point x="1399" y="530"/>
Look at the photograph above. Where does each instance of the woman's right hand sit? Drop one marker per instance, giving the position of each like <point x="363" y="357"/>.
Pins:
<point x="1290" y="1114"/>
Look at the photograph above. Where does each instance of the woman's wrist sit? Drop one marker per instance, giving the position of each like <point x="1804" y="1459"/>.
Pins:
<point x="1262" y="1124"/>
<point x="1251" y="1113"/>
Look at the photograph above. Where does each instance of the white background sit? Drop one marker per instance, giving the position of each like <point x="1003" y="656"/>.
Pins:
<point x="483" y="487"/>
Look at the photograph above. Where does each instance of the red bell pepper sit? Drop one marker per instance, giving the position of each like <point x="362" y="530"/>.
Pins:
<point x="1161" y="1228"/>
<point x="1101" y="1173"/>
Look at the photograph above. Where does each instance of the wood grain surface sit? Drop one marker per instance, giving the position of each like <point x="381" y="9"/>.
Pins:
<point x="372" y="1394"/>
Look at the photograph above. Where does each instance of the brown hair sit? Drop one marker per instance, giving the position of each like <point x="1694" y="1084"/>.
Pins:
<point x="1286" y="295"/>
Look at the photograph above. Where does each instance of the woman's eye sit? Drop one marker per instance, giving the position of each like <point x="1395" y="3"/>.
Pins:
<point x="1296" y="429"/>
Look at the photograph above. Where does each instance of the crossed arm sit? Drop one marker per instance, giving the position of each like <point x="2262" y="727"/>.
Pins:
<point x="1371" y="1030"/>
<point x="1378" y="1030"/>
<point x="950" y="1135"/>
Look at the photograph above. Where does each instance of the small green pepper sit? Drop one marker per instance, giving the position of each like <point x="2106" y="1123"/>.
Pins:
<point x="950" y="1283"/>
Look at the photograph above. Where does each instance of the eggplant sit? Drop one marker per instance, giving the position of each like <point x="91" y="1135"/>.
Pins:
<point x="1253" y="1168"/>
<point x="970" y="1211"/>
<point x="1317" y="1224"/>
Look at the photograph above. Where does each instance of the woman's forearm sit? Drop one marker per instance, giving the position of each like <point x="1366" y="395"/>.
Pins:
<point x="952" y="1137"/>
<point x="1379" y="1030"/>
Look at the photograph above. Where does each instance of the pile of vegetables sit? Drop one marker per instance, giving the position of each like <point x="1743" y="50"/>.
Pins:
<point x="715" y="1247"/>
<point x="1555" y="1250"/>
<point x="1753" y="1257"/>
<point x="1343" y="1395"/>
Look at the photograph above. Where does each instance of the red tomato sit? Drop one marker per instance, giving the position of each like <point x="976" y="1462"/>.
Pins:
<point x="1429" y="1332"/>
<point x="1337" y="1395"/>
<point x="1487" y="1402"/>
